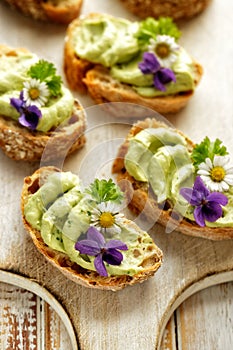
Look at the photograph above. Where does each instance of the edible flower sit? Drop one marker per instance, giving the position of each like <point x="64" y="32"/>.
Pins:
<point x="35" y="92"/>
<point x="165" y="48"/>
<point x="29" y="115"/>
<point x="151" y="65"/>
<point x="216" y="174"/>
<point x="96" y="246"/>
<point x="106" y="218"/>
<point x="208" y="205"/>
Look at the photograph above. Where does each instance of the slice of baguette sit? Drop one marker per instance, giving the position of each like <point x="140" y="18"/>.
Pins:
<point x="141" y="199"/>
<point x="70" y="269"/>
<point x="176" y="9"/>
<point x="62" y="12"/>
<point x="20" y="143"/>
<point x="83" y="76"/>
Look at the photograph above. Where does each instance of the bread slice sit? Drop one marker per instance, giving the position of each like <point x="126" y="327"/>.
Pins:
<point x="176" y="9"/>
<point x="62" y="12"/>
<point x="70" y="269"/>
<point x="20" y="143"/>
<point x="141" y="199"/>
<point x="83" y="76"/>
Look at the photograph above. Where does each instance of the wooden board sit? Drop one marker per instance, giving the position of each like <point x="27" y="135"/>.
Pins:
<point x="134" y="317"/>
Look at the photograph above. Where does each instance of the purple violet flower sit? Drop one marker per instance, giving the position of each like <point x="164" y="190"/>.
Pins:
<point x="29" y="115"/>
<point x="95" y="245"/>
<point x="151" y="65"/>
<point x="208" y="205"/>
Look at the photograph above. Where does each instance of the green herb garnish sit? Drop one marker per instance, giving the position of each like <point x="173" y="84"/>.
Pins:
<point x="207" y="149"/>
<point x="46" y="72"/>
<point x="103" y="191"/>
<point x="150" y="28"/>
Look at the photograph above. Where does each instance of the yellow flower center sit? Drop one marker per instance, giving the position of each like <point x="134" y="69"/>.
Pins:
<point x="34" y="93"/>
<point x="162" y="50"/>
<point x="106" y="219"/>
<point x="217" y="174"/>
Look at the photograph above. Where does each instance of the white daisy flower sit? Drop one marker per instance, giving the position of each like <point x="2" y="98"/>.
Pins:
<point x="106" y="218"/>
<point x="217" y="175"/>
<point x="35" y="92"/>
<point x="165" y="48"/>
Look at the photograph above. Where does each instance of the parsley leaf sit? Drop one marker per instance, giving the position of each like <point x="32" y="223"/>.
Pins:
<point x="103" y="191"/>
<point x="46" y="71"/>
<point x="207" y="149"/>
<point x="150" y="28"/>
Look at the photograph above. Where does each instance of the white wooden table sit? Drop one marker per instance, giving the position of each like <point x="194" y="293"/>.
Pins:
<point x="135" y="317"/>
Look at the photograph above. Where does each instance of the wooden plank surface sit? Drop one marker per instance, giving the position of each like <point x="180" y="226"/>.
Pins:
<point x="135" y="317"/>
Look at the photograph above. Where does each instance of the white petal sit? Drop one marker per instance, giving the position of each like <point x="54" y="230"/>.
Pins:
<point x="203" y="172"/>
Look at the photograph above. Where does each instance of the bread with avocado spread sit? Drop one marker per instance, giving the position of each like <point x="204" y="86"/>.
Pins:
<point x="117" y="60"/>
<point x="56" y="11"/>
<point x="184" y="186"/>
<point x="83" y="233"/>
<point x="36" y="109"/>
<point x="176" y="9"/>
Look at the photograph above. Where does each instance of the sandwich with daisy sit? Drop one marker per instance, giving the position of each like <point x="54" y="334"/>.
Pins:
<point x="141" y="62"/>
<point x="35" y="106"/>
<point x="83" y="232"/>
<point x="184" y="186"/>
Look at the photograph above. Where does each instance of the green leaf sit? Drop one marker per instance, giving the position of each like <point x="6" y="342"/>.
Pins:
<point x="207" y="149"/>
<point x="150" y="28"/>
<point x="45" y="71"/>
<point x="103" y="191"/>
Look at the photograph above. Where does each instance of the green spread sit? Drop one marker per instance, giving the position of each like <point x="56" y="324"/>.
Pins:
<point x="113" y="42"/>
<point x="62" y="211"/>
<point x="13" y="75"/>
<point x="160" y="157"/>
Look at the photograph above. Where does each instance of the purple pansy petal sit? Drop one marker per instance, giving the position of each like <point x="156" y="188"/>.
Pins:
<point x="99" y="266"/>
<point x="199" y="186"/>
<point x="94" y="235"/>
<point x="187" y="193"/>
<point x="217" y="197"/>
<point x="158" y="84"/>
<point x="116" y="244"/>
<point x="199" y="217"/>
<point x="87" y="246"/>
<point x="113" y="257"/>
<point x="212" y="211"/>
<point x="166" y="75"/>
<point x="150" y="64"/>
<point x="16" y="103"/>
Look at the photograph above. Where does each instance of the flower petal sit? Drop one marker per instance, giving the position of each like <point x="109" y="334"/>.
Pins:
<point x="158" y="84"/>
<point x="199" y="186"/>
<point x="212" y="211"/>
<point x="217" y="197"/>
<point x="94" y="235"/>
<point x="99" y="266"/>
<point x="87" y="246"/>
<point x="116" y="244"/>
<point x="113" y="257"/>
<point x="150" y="64"/>
<point x="198" y="216"/>
<point x="16" y="103"/>
<point x="166" y="75"/>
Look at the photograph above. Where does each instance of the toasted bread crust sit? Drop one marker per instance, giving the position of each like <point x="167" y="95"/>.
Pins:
<point x="71" y="270"/>
<point x="84" y="76"/>
<point x="142" y="201"/>
<point x="20" y="143"/>
<point x="176" y="9"/>
<point x="62" y="12"/>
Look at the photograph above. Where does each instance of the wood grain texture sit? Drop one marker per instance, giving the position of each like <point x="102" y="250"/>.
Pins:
<point x="104" y="320"/>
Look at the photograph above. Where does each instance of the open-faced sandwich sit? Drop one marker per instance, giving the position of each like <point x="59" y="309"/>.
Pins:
<point x="172" y="181"/>
<point x="83" y="232"/>
<point x="117" y="60"/>
<point x="35" y="107"/>
<point x="176" y="9"/>
<point x="57" y="11"/>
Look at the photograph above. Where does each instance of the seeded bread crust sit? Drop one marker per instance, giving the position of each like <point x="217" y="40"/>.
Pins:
<point x="71" y="270"/>
<point x="177" y="9"/>
<point x="20" y="143"/>
<point x="142" y="200"/>
<point x="84" y="76"/>
<point x="62" y="12"/>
